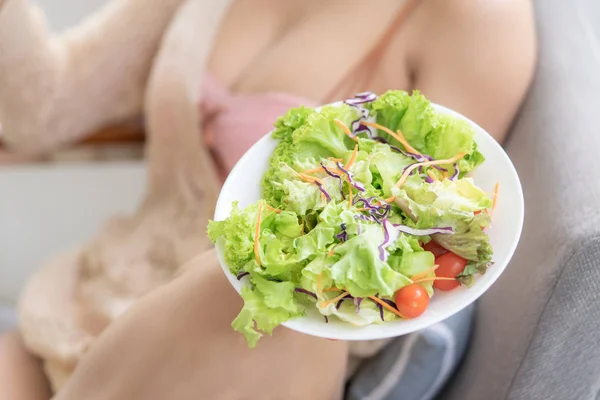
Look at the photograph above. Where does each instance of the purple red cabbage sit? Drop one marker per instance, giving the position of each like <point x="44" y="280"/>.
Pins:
<point x="456" y="172"/>
<point x="334" y="175"/>
<point x="356" y="102"/>
<point x="343" y="235"/>
<point x="242" y="274"/>
<point x="380" y="210"/>
<point x="308" y="292"/>
<point x="363" y="95"/>
<point x="388" y="239"/>
<point x="390" y="303"/>
<point x="357" y="301"/>
<point x="363" y="217"/>
<point x="424" y="232"/>
<point x="437" y="166"/>
<point x="379" y="306"/>
<point x="326" y="319"/>
<point x="322" y="189"/>
<point x="356" y="126"/>
<point x="361" y="98"/>
<point x="386" y="242"/>
<point x="417" y="157"/>
<point x="357" y="185"/>
<point x="340" y="301"/>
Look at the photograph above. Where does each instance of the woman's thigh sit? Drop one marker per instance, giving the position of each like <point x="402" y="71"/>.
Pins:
<point x="177" y="342"/>
<point x="21" y="374"/>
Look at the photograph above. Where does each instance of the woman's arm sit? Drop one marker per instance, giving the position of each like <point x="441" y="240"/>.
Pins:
<point x="476" y="57"/>
<point x="177" y="343"/>
<point x="54" y="89"/>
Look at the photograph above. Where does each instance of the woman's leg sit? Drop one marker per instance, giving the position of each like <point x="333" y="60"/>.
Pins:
<point x="177" y="343"/>
<point x="21" y="374"/>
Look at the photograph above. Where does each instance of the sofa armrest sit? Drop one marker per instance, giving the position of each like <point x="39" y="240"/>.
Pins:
<point x="537" y="330"/>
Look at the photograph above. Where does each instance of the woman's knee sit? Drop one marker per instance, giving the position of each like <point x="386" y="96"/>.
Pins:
<point x="21" y="374"/>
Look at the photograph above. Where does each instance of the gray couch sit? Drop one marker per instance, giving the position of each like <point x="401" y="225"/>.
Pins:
<point x="537" y="331"/>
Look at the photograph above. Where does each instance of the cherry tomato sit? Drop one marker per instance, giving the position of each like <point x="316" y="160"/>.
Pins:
<point x="412" y="300"/>
<point x="450" y="265"/>
<point x="435" y="248"/>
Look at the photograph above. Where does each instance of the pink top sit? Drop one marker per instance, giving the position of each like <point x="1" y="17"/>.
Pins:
<point x="233" y="122"/>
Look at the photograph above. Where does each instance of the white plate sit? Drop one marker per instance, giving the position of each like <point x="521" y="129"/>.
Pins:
<point x="243" y="185"/>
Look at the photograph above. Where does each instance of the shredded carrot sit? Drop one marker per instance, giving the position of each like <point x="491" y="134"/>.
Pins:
<point x="309" y="178"/>
<point x="437" y="278"/>
<point x="257" y="234"/>
<point x="495" y="196"/>
<point x="312" y="171"/>
<point x="346" y="130"/>
<point x="332" y="251"/>
<point x="387" y="306"/>
<point x="321" y="169"/>
<point x="303" y="176"/>
<point x="412" y="167"/>
<point x="326" y="303"/>
<point x="319" y="283"/>
<point x="276" y="210"/>
<point x="336" y="159"/>
<point x="446" y="175"/>
<point x="389" y="200"/>
<point x="432" y="175"/>
<point x="424" y="273"/>
<point x="352" y="158"/>
<point x="333" y="289"/>
<point x="398" y="136"/>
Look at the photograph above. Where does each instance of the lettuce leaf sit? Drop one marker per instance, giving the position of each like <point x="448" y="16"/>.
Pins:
<point x="361" y="271"/>
<point x="315" y="242"/>
<point x="235" y="234"/>
<point x="438" y="135"/>
<point x="455" y="204"/>
<point x="284" y="152"/>
<point x="266" y="305"/>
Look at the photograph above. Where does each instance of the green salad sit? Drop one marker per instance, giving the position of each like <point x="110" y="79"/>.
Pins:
<point x="368" y="208"/>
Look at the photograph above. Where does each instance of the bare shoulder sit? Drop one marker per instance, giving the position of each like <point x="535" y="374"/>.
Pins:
<point x="472" y="22"/>
<point x="477" y="56"/>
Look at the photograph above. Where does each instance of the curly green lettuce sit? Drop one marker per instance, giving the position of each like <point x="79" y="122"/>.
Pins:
<point x="304" y="241"/>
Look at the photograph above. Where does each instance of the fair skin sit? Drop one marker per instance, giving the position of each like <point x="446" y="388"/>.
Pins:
<point x="476" y="57"/>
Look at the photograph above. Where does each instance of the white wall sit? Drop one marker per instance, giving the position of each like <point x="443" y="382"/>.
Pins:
<point x="63" y="14"/>
<point x="48" y="209"/>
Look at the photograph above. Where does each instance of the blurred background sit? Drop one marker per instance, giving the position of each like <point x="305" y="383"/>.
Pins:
<point x="69" y="183"/>
<point x="65" y="13"/>
<point x="550" y="291"/>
